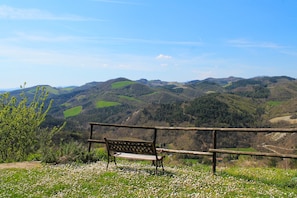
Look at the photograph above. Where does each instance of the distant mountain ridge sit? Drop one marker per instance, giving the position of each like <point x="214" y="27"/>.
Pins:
<point x="135" y="95"/>
<point x="213" y="102"/>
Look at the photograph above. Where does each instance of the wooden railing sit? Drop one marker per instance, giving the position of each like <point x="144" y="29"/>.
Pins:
<point x="211" y="152"/>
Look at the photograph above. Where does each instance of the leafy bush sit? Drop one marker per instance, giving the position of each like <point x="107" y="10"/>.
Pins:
<point x="73" y="152"/>
<point x="20" y="120"/>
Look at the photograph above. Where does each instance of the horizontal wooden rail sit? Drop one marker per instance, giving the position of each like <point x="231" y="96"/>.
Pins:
<point x="184" y="152"/>
<point x="120" y="125"/>
<point x="96" y="141"/>
<point x="211" y="152"/>
<point x="165" y="150"/>
<point x="257" y="130"/>
<point x="252" y="153"/>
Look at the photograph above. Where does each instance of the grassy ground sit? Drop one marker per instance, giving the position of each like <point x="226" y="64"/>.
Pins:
<point x="131" y="179"/>
<point x="73" y="111"/>
<point x="102" y="104"/>
<point x="117" y="85"/>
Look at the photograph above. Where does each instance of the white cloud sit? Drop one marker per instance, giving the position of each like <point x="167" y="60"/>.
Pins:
<point x="7" y="12"/>
<point x="162" y="56"/>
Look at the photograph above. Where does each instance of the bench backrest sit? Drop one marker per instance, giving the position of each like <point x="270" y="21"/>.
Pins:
<point x="128" y="146"/>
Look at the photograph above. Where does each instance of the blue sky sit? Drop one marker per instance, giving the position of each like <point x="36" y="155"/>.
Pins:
<point x="73" y="42"/>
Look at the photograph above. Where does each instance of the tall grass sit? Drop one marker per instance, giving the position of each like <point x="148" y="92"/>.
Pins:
<point x="72" y="152"/>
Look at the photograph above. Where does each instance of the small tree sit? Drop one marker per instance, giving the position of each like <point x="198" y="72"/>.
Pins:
<point x="20" y="125"/>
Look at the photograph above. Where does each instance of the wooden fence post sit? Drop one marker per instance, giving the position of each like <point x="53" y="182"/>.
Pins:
<point x="155" y="135"/>
<point x="91" y="136"/>
<point x="214" y="154"/>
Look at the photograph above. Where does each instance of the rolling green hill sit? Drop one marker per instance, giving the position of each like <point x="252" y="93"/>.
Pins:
<point x="241" y="102"/>
<point x="226" y="102"/>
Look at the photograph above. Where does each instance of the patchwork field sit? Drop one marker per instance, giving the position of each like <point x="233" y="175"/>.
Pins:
<point x="103" y="103"/>
<point x="121" y="84"/>
<point x="72" y="111"/>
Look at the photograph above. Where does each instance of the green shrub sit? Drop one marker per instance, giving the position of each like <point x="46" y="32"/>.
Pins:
<point x="73" y="152"/>
<point x="34" y="157"/>
<point x="20" y="120"/>
<point x="97" y="155"/>
<point x="50" y="156"/>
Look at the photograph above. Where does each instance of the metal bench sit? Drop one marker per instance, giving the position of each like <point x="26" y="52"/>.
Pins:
<point x="137" y="150"/>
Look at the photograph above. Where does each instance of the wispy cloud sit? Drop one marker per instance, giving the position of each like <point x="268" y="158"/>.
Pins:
<point x="35" y="39"/>
<point x="162" y="56"/>
<point x="119" y="2"/>
<point x="250" y="44"/>
<point x="148" y="41"/>
<point x="12" y="13"/>
<point x="35" y="57"/>
<point x="21" y="36"/>
<point x="290" y="52"/>
<point x="46" y="37"/>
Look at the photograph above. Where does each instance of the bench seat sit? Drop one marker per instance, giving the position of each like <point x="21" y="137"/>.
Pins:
<point x="136" y="150"/>
<point x="136" y="156"/>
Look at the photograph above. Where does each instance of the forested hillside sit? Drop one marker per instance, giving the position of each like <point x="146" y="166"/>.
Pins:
<point x="226" y="102"/>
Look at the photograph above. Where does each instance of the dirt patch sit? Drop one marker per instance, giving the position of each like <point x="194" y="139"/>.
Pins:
<point x="284" y="118"/>
<point x="24" y="165"/>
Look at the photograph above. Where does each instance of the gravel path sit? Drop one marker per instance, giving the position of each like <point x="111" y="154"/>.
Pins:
<point x="25" y="165"/>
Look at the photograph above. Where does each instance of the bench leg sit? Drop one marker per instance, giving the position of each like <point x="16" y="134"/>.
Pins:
<point x="114" y="159"/>
<point x="107" y="162"/>
<point x="158" y="163"/>
<point x="162" y="165"/>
